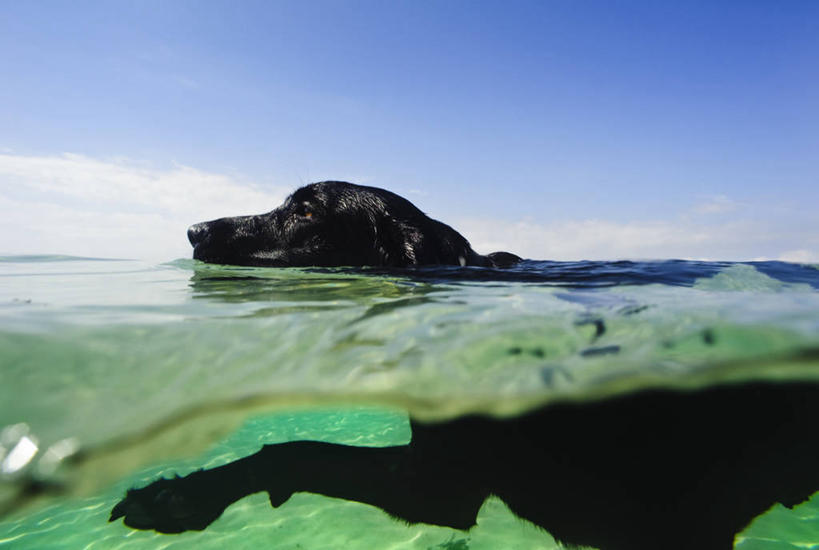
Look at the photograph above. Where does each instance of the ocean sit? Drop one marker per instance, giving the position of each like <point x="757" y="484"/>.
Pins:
<point x="115" y="372"/>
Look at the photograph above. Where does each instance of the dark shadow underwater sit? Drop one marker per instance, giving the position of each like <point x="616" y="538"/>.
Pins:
<point x="656" y="469"/>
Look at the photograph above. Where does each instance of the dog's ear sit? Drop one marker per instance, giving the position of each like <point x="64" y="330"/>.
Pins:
<point x="396" y="242"/>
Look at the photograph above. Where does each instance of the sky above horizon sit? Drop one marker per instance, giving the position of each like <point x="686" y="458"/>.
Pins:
<point x="556" y="130"/>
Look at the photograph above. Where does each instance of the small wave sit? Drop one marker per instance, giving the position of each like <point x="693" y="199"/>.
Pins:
<point x="590" y="274"/>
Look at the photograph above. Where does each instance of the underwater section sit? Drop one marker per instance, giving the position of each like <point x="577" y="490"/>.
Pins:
<point x="305" y="521"/>
<point x="117" y="371"/>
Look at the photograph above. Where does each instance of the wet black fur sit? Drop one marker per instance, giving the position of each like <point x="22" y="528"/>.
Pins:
<point x="335" y="223"/>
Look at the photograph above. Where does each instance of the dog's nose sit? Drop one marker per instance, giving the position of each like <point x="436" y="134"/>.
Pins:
<point x="197" y="232"/>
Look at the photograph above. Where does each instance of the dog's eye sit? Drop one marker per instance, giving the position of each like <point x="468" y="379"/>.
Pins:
<point x="304" y="210"/>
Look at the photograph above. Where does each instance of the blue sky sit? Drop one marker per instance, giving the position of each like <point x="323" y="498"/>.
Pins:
<point x="560" y="130"/>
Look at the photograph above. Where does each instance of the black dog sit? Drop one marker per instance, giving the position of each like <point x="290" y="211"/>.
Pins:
<point x="334" y="223"/>
<point x="658" y="469"/>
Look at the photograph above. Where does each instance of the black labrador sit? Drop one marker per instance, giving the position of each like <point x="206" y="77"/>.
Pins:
<point x="657" y="469"/>
<point x="334" y="223"/>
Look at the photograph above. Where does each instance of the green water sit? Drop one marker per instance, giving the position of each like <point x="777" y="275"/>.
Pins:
<point x="151" y="369"/>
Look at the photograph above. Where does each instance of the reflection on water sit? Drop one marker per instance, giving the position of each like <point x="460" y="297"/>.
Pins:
<point x="312" y="294"/>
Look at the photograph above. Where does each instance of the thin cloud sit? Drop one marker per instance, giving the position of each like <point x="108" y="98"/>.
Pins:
<point x="186" y="82"/>
<point x="78" y="205"/>
<point x="730" y="240"/>
<point x="717" y="204"/>
<point x="800" y="256"/>
<point x="73" y="204"/>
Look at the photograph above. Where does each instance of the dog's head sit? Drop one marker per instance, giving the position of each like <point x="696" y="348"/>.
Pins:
<point x="332" y="224"/>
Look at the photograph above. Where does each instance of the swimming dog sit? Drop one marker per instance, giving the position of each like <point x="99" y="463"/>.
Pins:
<point x="334" y="223"/>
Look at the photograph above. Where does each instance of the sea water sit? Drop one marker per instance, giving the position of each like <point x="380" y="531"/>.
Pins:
<point x="143" y="370"/>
